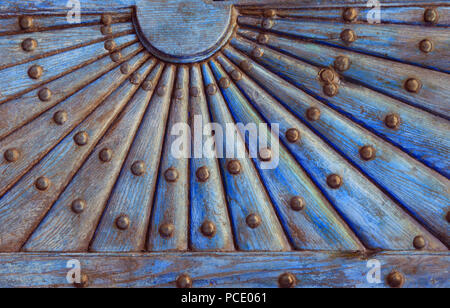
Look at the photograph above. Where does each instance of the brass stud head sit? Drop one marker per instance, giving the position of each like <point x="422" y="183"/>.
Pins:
<point x="392" y="121"/>
<point x="327" y="75"/>
<point x="11" y="155"/>
<point x="208" y="228"/>
<point x="105" y="155"/>
<point x="125" y="68"/>
<point x="106" y="30"/>
<point x="413" y="85"/>
<point x="270" y="13"/>
<point x="330" y="89"/>
<point x="292" y="135"/>
<point x="257" y="52"/>
<point x="78" y="206"/>
<point x="224" y="82"/>
<point x="431" y="16"/>
<point x="313" y="114"/>
<point x="297" y="203"/>
<point x="246" y="65"/>
<point x="265" y="154"/>
<point x="211" y="89"/>
<point x="419" y="242"/>
<point x="426" y="46"/>
<point x="116" y="56"/>
<point x="135" y="78"/>
<point x="123" y="222"/>
<point x="81" y="138"/>
<point x="202" y="174"/>
<point x="348" y="36"/>
<point x="267" y="23"/>
<point x="342" y="63"/>
<point x="29" y="44"/>
<point x="395" y="279"/>
<point x="171" y="175"/>
<point x="45" y="94"/>
<point x="106" y="19"/>
<point x="367" y="152"/>
<point x="161" y="91"/>
<point x="42" y="183"/>
<point x="26" y="22"/>
<point x="184" y="281"/>
<point x="147" y="85"/>
<point x="350" y="14"/>
<point x="263" y="39"/>
<point x="194" y="91"/>
<point x="138" y="168"/>
<point x="60" y="117"/>
<point x="236" y="75"/>
<point x="166" y="230"/>
<point x="334" y="181"/>
<point x="110" y="45"/>
<point x="253" y="220"/>
<point x="234" y="166"/>
<point x="287" y="280"/>
<point x="35" y="71"/>
<point x="178" y="94"/>
<point x="84" y="282"/>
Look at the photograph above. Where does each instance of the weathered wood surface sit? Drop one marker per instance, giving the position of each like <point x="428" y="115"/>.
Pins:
<point x="225" y="270"/>
<point x="51" y="6"/>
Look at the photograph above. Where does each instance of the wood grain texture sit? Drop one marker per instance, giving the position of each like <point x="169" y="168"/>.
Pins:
<point x="52" y="6"/>
<point x="133" y="195"/>
<point x="75" y="231"/>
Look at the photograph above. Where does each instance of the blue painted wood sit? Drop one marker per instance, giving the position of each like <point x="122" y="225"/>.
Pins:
<point x="62" y="229"/>
<point x="24" y="206"/>
<point x="171" y="203"/>
<point x="52" y="6"/>
<point x="245" y="192"/>
<point x="207" y="198"/>
<point x="318" y="226"/>
<point x="133" y="195"/>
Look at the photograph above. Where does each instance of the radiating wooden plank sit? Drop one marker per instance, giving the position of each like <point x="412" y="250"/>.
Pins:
<point x="227" y="270"/>
<point x="17" y="112"/>
<point x="54" y="41"/>
<point x="246" y="195"/>
<point x="133" y="194"/>
<point x="376" y="219"/>
<point x="255" y="4"/>
<point x="208" y="202"/>
<point x="24" y="206"/>
<point x="43" y="6"/>
<point x="38" y="137"/>
<point x="317" y="226"/>
<point x="169" y="229"/>
<point x="383" y="75"/>
<point x="383" y="40"/>
<point x="64" y="229"/>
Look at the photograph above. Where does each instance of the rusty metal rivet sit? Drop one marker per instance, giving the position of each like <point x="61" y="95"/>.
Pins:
<point x="116" y="56"/>
<point x="367" y="152"/>
<point x="234" y="166"/>
<point x="292" y="135"/>
<point x="334" y="181"/>
<point x="327" y="75"/>
<point x="211" y="89"/>
<point x="123" y="222"/>
<point x="413" y="85"/>
<point x="253" y="220"/>
<point x="431" y="16"/>
<point x="184" y="281"/>
<point x="297" y="203"/>
<point x="125" y="68"/>
<point x="202" y="174"/>
<point x="178" y="94"/>
<point x="171" y="175"/>
<point x="342" y="63"/>
<point x="106" y="19"/>
<point x="350" y="14"/>
<point x="267" y="23"/>
<point x="45" y="94"/>
<point x="257" y="52"/>
<point x="287" y="280"/>
<point x="60" y="117"/>
<point x="35" y="71"/>
<point x="81" y="138"/>
<point x="11" y="155"/>
<point x="265" y="154"/>
<point x="161" y="91"/>
<point x="419" y="242"/>
<point x="105" y="155"/>
<point x="392" y="121"/>
<point x="42" y="183"/>
<point x="348" y="36"/>
<point x="29" y="44"/>
<point x="194" y="91"/>
<point x="110" y="45"/>
<point x="263" y="38"/>
<point x="208" y="228"/>
<point x="236" y="75"/>
<point x="224" y="82"/>
<point x="84" y="282"/>
<point x="426" y="46"/>
<point x="330" y="89"/>
<point x="147" y="85"/>
<point x="106" y="30"/>
<point x="78" y="206"/>
<point x="270" y="13"/>
<point x="135" y="78"/>
<point x="395" y="279"/>
<point x="246" y="65"/>
<point x="138" y="168"/>
<point x="313" y="114"/>
<point x="166" y="229"/>
<point x="26" y="22"/>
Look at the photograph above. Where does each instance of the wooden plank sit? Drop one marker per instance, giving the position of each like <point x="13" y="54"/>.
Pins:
<point x="133" y="194"/>
<point x="227" y="270"/>
<point x="170" y="213"/>
<point x="329" y="3"/>
<point x="245" y="192"/>
<point x="387" y="41"/>
<point x="17" y="112"/>
<point x="51" y="6"/>
<point x="374" y="217"/>
<point x="63" y="229"/>
<point x="208" y="202"/>
<point x="25" y="205"/>
<point x="38" y="137"/>
<point x="317" y="226"/>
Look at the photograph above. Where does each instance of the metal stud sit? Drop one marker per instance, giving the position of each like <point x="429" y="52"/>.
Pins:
<point x="178" y="94"/>
<point x="234" y="166"/>
<point x="270" y="13"/>
<point x="110" y="45"/>
<point x="84" y="282"/>
<point x="116" y="56"/>
<point x="265" y="154"/>
<point x="350" y="14"/>
<point x="105" y="155"/>
<point x="287" y="280"/>
<point x="419" y="242"/>
<point x="161" y="91"/>
<point x="431" y="16"/>
<point x="395" y="279"/>
<point x="263" y="39"/>
<point x="135" y="78"/>
<point x="253" y="220"/>
<point x="211" y="89"/>
<point x="29" y="44"/>
<point x="224" y="82"/>
<point x="147" y="85"/>
<point x="123" y="222"/>
<point x="367" y="152"/>
<point x="106" y="30"/>
<point x="330" y="89"/>
<point x="267" y="23"/>
<point x="45" y="94"/>
<point x="106" y="19"/>
<point x="60" y="117"/>
<point x="125" y="68"/>
<point x="413" y="85"/>
<point x="42" y="183"/>
<point x="208" y="228"/>
<point x="257" y="52"/>
<point x="297" y="203"/>
<point x="292" y="135"/>
<point x="78" y="206"/>
<point x="184" y="281"/>
<point x="35" y="71"/>
<point x="236" y="75"/>
<point x="138" y="168"/>
<point x="194" y="91"/>
<point x="26" y="22"/>
<point x="246" y="65"/>
<point x="342" y="63"/>
<point x="327" y="75"/>
<point x="171" y="175"/>
<point x="392" y="121"/>
<point x="81" y="138"/>
<point x="202" y="174"/>
<point x="426" y="46"/>
<point x="334" y="181"/>
<point x="11" y="155"/>
<point x="348" y="36"/>
<point x="166" y="230"/>
<point x="313" y="114"/>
